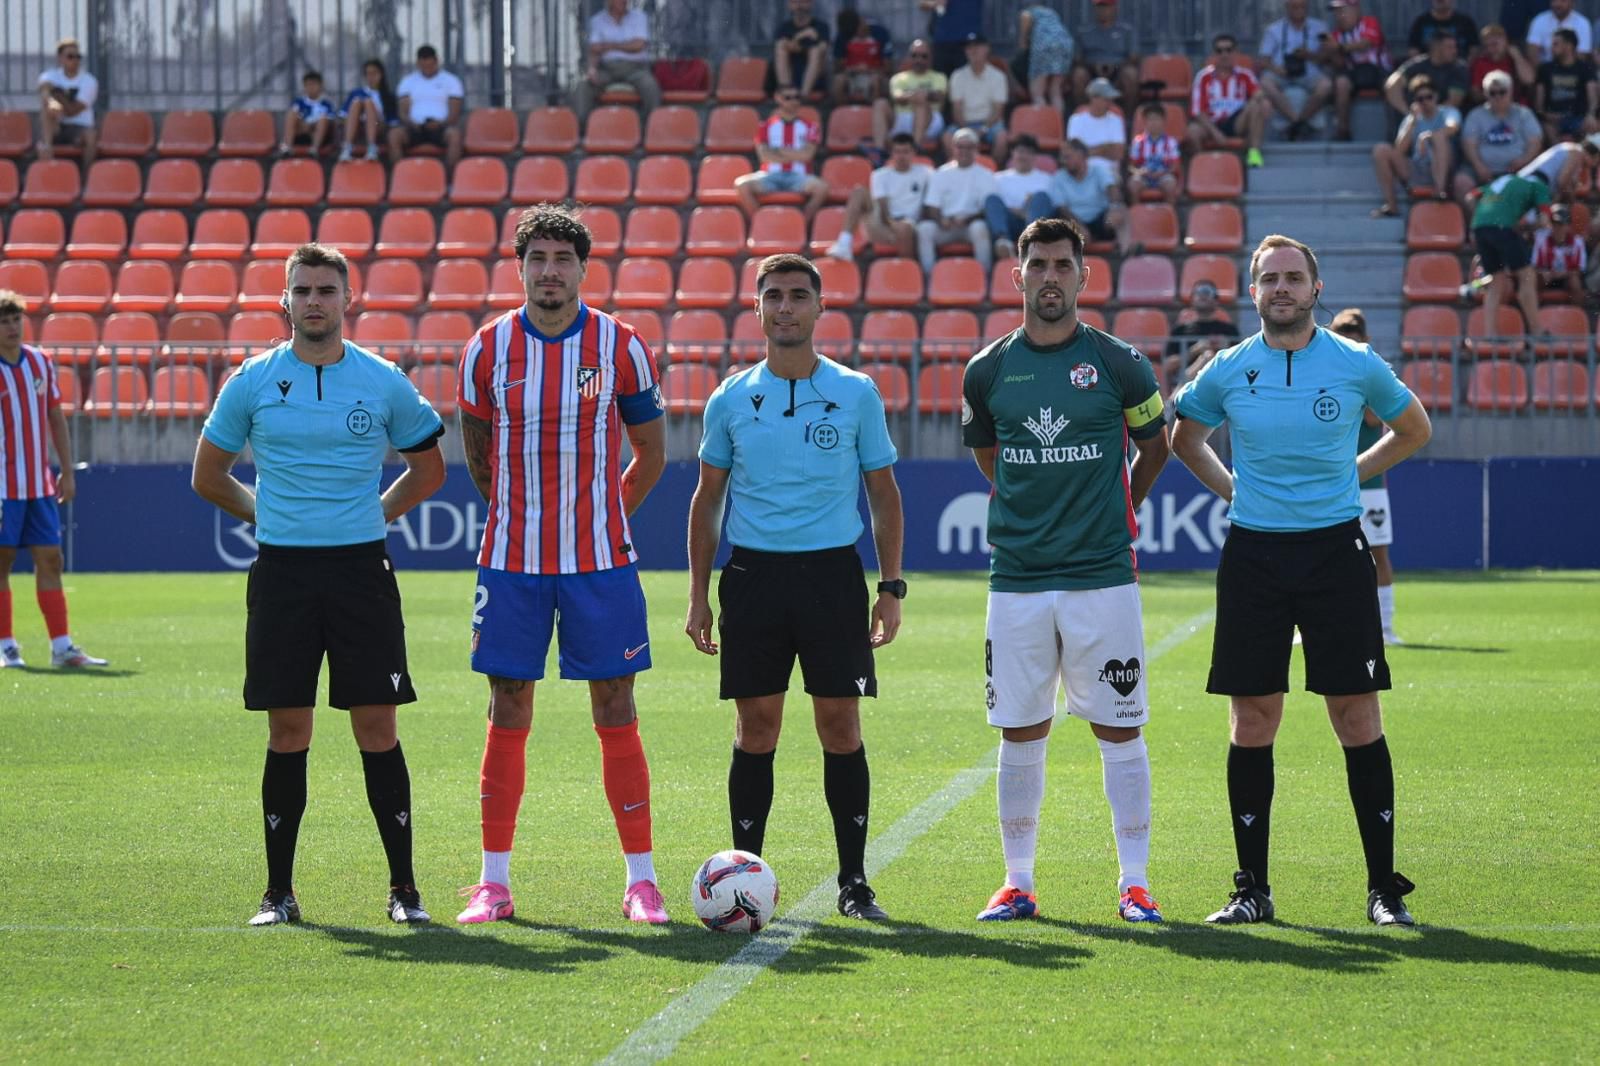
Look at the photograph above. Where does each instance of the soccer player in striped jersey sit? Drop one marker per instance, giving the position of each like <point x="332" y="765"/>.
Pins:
<point x="546" y="392"/>
<point x="30" y="411"/>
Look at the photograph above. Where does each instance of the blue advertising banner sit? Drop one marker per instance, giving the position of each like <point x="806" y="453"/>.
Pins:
<point x="1545" y="513"/>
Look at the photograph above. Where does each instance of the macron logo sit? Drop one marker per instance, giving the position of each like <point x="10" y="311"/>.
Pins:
<point x="1372" y="664"/>
<point x="403" y="817"/>
<point x="745" y="823"/>
<point x="861" y="683"/>
<point x="396" y="679"/>
<point x="272" y="821"/>
<point x="1247" y="819"/>
<point x="1386" y="815"/>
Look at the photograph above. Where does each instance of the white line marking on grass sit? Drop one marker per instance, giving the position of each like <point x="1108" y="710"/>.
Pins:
<point x="660" y="1035"/>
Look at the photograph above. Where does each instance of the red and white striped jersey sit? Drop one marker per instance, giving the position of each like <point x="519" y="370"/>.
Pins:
<point x="1155" y="154"/>
<point x="1558" y="258"/>
<point x="1217" y="95"/>
<point x="28" y="392"/>
<point x="1366" y="31"/>
<point x="555" y="406"/>
<point x="778" y="132"/>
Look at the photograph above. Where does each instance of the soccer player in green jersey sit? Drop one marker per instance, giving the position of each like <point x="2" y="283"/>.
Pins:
<point x="1049" y="413"/>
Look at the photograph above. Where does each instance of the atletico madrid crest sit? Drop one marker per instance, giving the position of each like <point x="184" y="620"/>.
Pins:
<point x="588" y="382"/>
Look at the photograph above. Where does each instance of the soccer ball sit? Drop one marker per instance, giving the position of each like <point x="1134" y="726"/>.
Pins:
<point x="735" y="892"/>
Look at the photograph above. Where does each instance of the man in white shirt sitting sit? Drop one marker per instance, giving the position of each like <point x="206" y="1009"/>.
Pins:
<point x="431" y="103"/>
<point x="1022" y="194"/>
<point x="619" y="51"/>
<point x="893" y="204"/>
<point x="952" y="212"/>
<point x="66" y="103"/>
<point x="1559" y="16"/>
<point x="978" y="96"/>
<point x="1098" y="126"/>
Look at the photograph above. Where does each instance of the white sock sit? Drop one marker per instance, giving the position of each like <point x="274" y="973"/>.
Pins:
<point x="1386" y="606"/>
<point x="1020" y="788"/>
<point x="496" y="868"/>
<point x="641" y="866"/>
<point x="61" y="643"/>
<point x="1127" y="780"/>
<point x="847" y="240"/>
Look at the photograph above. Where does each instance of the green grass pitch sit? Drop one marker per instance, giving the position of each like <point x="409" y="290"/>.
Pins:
<point x="129" y="815"/>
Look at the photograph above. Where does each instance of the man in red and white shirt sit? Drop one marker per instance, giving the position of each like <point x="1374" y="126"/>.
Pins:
<point x="1359" y="57"/>
<point x="30" y="412"/>
<point x="1226" y="102"/>
<point x="786" y="144"/>
<point x="546" y="392"/>
<point x="1559" y="257"/>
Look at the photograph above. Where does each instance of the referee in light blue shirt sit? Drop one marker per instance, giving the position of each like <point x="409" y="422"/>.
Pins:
<point x="788" y="442"/>
<point x="320" y="415"/>
<point x="1293" y="396"/>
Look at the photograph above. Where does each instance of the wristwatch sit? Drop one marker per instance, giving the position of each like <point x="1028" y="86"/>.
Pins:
<point x="895" y="588"/>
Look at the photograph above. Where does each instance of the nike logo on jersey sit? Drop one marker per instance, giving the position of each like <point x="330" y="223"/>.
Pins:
<point x="1251" y="375"/>
<point x="633" y="806"/>
<point x="396" y="679"/>
<point x="284" y="387"/>
<point x="631" y="652"/>
<point x="861" y="683"/>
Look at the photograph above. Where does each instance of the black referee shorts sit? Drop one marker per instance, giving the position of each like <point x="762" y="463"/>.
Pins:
<point x="779" y="605"/>
<point x="342" y="602"/>
<point x="1323" y="581"/>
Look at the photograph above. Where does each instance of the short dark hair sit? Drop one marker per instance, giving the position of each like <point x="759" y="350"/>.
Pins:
<point x="788" y="263"/>
<point x="1150" y="111"/>
<point x="1076" y="145"/>
<point x="427" y="51"/>
<point x="552" y="222"/>
<point x="903" y="138"/>
<point x="11" y="303"/>
<point x="311" y="75"/>
<point x="317" y="255"/>
<point x="1564" y="34"/>
<point x="1278" y="240"/>
<point x="1022" y="140"/>
<point x="1219" y="38"/>
<point x="1050" y="230"/>
<point x="1352" y="323"/>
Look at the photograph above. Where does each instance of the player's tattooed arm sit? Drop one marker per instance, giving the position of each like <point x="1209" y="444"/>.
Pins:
<point x="476" y="438"/>
<point x="649" y="443"/>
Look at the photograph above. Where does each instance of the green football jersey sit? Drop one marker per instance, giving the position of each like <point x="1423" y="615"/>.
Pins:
<point x="1059" y="419"/>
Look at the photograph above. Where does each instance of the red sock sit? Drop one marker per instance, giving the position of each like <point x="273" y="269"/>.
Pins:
<point x="53" y="603"/>
<point x="5" y="614"/>
<point x="627" y="780"/>
<point x="500" y="784"/>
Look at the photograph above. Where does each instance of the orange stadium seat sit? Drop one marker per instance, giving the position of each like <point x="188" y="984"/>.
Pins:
<point x="1429" y="332"/>
<point x="715" y="231"/>
<point x="393" y="285"/>
<point x="223" y="233"/>
<point x="279" y="231"/>
<point x="841" y="282"/>
<point x="1155" y="226"/>
<point x="1091" y="316"/>
<point x="112" y="183"/>
<point x="999" y="322"/>
<point x="1506" y="337"/>
<point x="1174" y="73"/>
<point x="356" y="183"/>
<point x="1146" y="329"/>
<point x="447" y="334"/>
<point x="717" y="173"/>
<point x="467" y="231"/>
<point x="939" y="388"/>
<point x="255" y="331"/>
<point x="706" y="282"/>
<point x="295" y="183"/>
<point x="128" y="337"/>
<point x="117" y="392"/>
<point x="207" y="285"/>
<point x="1560" y="385"/>
<point x="697" y="337"/>
<point x="190" y="134"/>
<point x="835" y="337"/>
<point x="1435" y="225"/>
<point x="70" y="336"/>
<point x="1498" y="385"/>
<point x="10" y="187"/>
<point x="1432" y="277"/>
<point x="160" y="233"/>
<point x="848" y="126"/>
<point x="643" y="282"/>
<point x="70" y="388"/>
<point x="1214" y="228"/>
<point x="539" y="178"/>
<point x="894" y="282"/>
<point x="888" y="336"/>
<point x="774" y="230"/>
<point x="38" y="233"/>
<point x="1041" y="120"/>
<point x="459" y="285"/>
<point x="653" y="231"/>
<point x="550" y="131"/>
<point x="603" y="179"/>
<point x="596" y="290"/>
<point x="663" y="179"/>
<point x="742" y="80"/>
<point x="28" y="278"/>
<point x="687" y="386"/>
<point x="1002" y="290"/>
<point x="605" y="231"/>
<point x="612" y="130"/>
<point x="479" y="180"/>
<point x="437" y="384"/>
<point x="193" y="337"/>
<point x="749" y="343"/>
<point x="694" y="71"/>
<point x="508" y="232"/>
<point x="1217" y="269"/>
<point x="383" y="331"/>
<point x="844" y="173"/>
<point x="894" y="385"/>
<point x="491" y="131"/>
<point x="950" y="334"/>
<point x="1144" y="279"/>
<point x="1216" y="176"/>
<point x="16" y="134"/>
<point x="1568" y="333"/>
<point x="417" y="182"/>
<point x="406" y="233"/>
<point x="82" y="285"/>
<point x="51" y="183"/>
<point x="348" y="229"/>
<point x="647" y="324"/>
<point x="127" y="134"/>
<point x="180" y="392"/>
<point x="235" y="183"/>
<point x="1097" y="290"/>
<point x="506" y="291"/>
<point x="825" y="228"/>
<point x="732" y="128"/>
<point x="673" y="130"/>
<point x="953" y="282"/>
<point x="250" y="133"/>
<point x="173" y="183"/>
<point x="143" y="285"/>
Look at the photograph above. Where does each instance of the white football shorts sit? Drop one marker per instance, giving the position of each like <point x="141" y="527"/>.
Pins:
<point x="1377" y="520"/>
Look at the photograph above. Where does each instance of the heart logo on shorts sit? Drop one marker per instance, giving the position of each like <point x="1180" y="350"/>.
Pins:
<point x="1122" y="676"/>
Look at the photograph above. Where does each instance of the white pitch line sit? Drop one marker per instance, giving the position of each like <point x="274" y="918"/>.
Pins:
<point x="660" y="1035"/>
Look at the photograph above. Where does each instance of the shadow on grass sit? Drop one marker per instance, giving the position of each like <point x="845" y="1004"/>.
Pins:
<point x="87" y="671"/>
<point x="834" y="948"/>
<point x="1444" y="647"/>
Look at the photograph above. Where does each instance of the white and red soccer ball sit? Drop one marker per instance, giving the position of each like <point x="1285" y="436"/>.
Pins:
<point x="735" y="892"/>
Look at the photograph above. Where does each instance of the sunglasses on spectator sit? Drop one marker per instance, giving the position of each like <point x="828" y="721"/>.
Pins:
<point x="1423" y="98"/>
<point x="71" y="55"/>
<point x="921" y="55"/>
<point x="788" y="96"/>
<point x="1499" y="92"/>
<point x="1226" y="48"/>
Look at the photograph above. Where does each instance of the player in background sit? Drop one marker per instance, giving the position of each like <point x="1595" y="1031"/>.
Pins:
<point x="30" y="492"/>
<point x="546" y="392"/>
<point x="320" y="415"/>
<point x="1051" y="413"/>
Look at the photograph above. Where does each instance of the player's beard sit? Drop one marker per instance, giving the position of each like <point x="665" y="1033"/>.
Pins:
<point x="1273" y="325"/>
<point x="317" y="334"/>
<point x="560" y="299"/>
<point x="1054" y="312"/>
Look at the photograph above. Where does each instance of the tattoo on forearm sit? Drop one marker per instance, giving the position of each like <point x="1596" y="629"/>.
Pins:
<point x="476" y="440"/>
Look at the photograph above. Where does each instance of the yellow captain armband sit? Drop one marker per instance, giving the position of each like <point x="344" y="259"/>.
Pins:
<point x="1145" y="413"/>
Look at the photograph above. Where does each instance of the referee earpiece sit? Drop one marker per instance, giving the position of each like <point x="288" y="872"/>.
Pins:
<point x="283" y="302"/>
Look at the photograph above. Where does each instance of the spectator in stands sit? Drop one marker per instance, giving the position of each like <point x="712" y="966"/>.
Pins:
<point x="1155" y="158"/>
<point x="1566" y="167"/>
<point x="1202" y="330"/>
<point x="1098" y="126"/>
<point x="862" y="52"/>
<point x="1442" y="18"/>
<point x="1501" y="137"/>
<point x="430" y="105"/>
<point x="1087" y="190"/>
<point x="1565" y="92"/>
<point x="952" y="213"/>
<point x="786" y="144"/>
<point x="1289" y="48"/>
<point x="1226" y="102"/>
<point x="1495" y="53"/>
<point x="979" y="92"/>
<point x="370" y="107"/>
<point x="1049" y="47"/>
<point x="1358" y="56"/>
<point x="953" y="21"/>
<point x="619" y="51"/>
<point x="1559" y="257"/>
<point x="1022" y="194"/>
<point x="1424" y="150"/>
<point x="309" y="120"/>
<point x="1446" y="73"/>
<point x="917" y="98"/>
<point x="1107" y="48"/>
<point x="66" y="103"/>
<point x="1560" y="16"/>
<point x="800" y="49"/>
<point x="1500" y="207"/>
<point x="891" y="206"/>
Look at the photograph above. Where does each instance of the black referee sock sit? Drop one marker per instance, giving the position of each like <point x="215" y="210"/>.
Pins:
<point x="283" y="804"/>
<point x="848" y="786"/>
<point x="1371" y="776"/>
<point x="750" y="798"/>
<point x="1250" y="783"/>
<point x="389" y="796"/>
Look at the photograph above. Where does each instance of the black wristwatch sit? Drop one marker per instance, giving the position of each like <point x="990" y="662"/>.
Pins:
<point x="895" y="588"/>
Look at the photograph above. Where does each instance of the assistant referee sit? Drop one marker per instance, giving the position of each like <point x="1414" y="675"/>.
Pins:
<point x="788" y="443"/>
<point x="320" y="415"/>
<point x="1293" y="396"/>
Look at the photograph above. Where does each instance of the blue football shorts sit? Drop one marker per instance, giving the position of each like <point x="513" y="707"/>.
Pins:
<point x="599" y="618"/>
